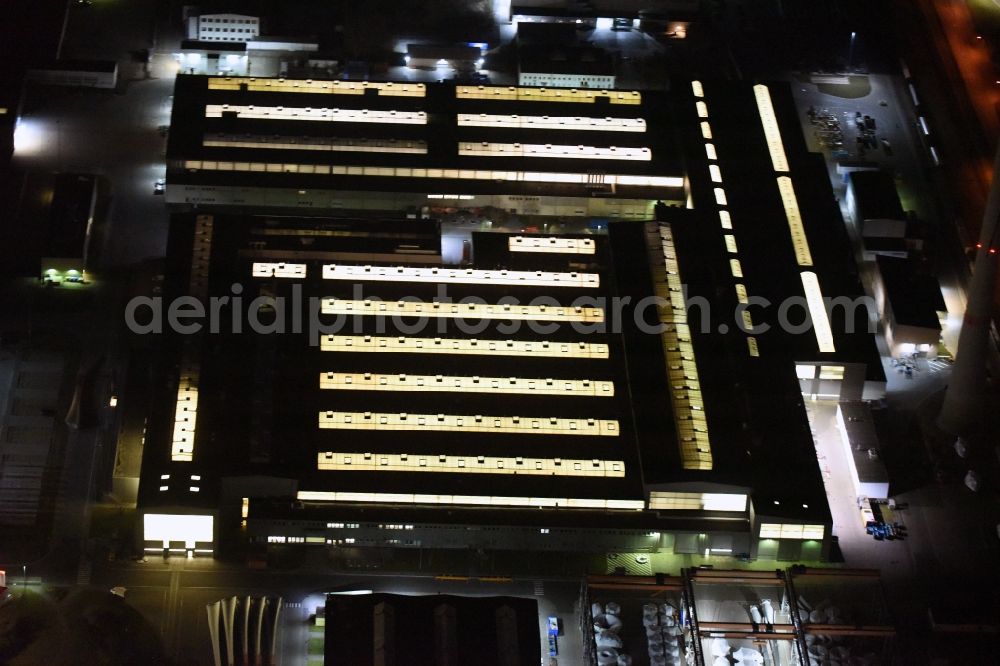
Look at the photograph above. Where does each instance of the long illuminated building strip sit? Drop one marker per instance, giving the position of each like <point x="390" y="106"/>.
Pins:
<point x="551" y="244"/>
<point x="487" y="149"/>
<point x="356" y="273"/>
<point x="800" y="241"/>
<point x="463" y="347"/>
<point x="682" y="369"/>
<point x="279" y="270"/>
<point x="417" y="462"/>
<point x="254" y="84"/>
<point x="454" y="174"/>
<point x="772" y="133"/>
<point x="575" y="123"/>
<point x="817" y="312"/>
<point x="332" y="144"/>
<point x="251" y="111"/>
<point x="471" y="500"/>
<point x="367" y="381"/>
<point x="338" y="306"/>
<point x="576" y="95"/>
<point x="516" y="425"/>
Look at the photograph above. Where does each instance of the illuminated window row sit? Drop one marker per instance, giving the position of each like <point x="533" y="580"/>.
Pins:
<point x="682" y="370"/>
<point x="799" y="240"/>
<point x="367" y="381"/>
<point x="673" y="501"/>
<point x="415" y="462"/>
<point x="551" y="244"/>
<point x="791" y="531"/>
<point x="459" y="276"/>
<point x="456" y="174"/>
<point x="185" y="421"/>
<point x="575" y="123"/>
<point x="462" y="310"/>
<point x="468" y="347"/>
<point x="308" y="113"/>
<point x="278" y="270"/>
<point x="254" y="84"/>
<point x="471" y="500"/>
<point x="487" y="149"/>
<point x="547" y="94"/>
<point x="332" y="144"/>
<point x="519" y="425"/>
<point x="765" y="109"/>
<point x="817" y="312"/>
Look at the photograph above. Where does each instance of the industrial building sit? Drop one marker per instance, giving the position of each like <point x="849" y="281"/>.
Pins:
<point x="414" y="405"/>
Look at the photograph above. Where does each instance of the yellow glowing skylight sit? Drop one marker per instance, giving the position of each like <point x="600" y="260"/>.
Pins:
<point x="799" y="240"/>
<point x="488" y="149"/>
<point x="519" y="425"/>
<point x="771" y="131"/>
<point x="471" y="500"/>
<point x="355" y="273"/>
<point x="462" y="346"/>
<point x="258" y="112"/>
<point x="368" y="381"/>
<point x="467" y="464"/>
<point x="278" y="270"/>
<point x="730" y="243"/>
<point x="817" y="312"/>
<point x="282" y="85"/>
<point x="791" y="531"/>
<point x="697" y="89"/>
<point x="676" y="501"/>
<point x="330" y="144"/>
<point x="462" y="310"/>
<point x="584" y="95"/>
<point x="551" y="244"/>
<point x="706" y="130"/>
<point x="575" y="123"/>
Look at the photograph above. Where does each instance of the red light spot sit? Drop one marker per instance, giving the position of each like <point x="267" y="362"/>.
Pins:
<point x="979" y="246"/>
<point x="993" y="250"/>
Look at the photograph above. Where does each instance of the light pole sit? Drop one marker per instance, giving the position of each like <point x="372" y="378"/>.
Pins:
<point x="24" y="577"/>
<point x="850" y="51"/>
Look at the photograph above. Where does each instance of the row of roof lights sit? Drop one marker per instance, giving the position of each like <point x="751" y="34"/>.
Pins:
<point x="551" y="244"/>
<point x="471" y="500"/>
<point x="367" y="381"/>
<point x="263" y="269"/>
<point x="522" y="425"/>
<point x="548" y="94"/>
<point x="403" y="462"/>
<point x="250" y="111"/>
<point x="463" y="346"/>
<point x="487" y="149"/>
<point x="575" y="123"/>
<point x="254" y="84"/>
<point x="332" y="144"/>
<point x="504" y="311"/>
<point x="455" y="174"/>
<point x="459" y="276"/>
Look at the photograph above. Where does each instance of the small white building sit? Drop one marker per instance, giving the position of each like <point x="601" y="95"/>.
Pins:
<point x="223" y="28"/>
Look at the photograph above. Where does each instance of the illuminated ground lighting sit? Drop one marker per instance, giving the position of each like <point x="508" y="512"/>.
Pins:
<point x="575" y="123"/>
<point x="817" y="311"/>
<point x="367" y="381"/>
<point x="331" y="144"/>
<point x="799" y="240"/>
<point x="682" y="369"/>
<point x="308" y="113"/>
<point x="461" y="346"/>
<point x="545" y="150"/>
<point x="254" y="84"/>
<point x="471" y="500"/>
<point x="278" y="270"/>
<point x="551" y="244"/>
<point x="338" y="306"/>
<point x="772" y="132"/>
<point x="511" y="425"/>
<point x="547" y="94"/>
<point x="453" y="174"/>
<point x="420" y="462"/>
<point x="459" y="276"/>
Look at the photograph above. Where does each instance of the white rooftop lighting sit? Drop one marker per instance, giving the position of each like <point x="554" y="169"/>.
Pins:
<point x="255" y="84"/>
<point x="817" y="312"/>
<point x="487" y="149"/>
<point x="307" y="113"/>
<point x="333" y="144"/>
<point x="519" y="425"/>
<point x="771" y="131"/>
<point x="697" y="89"/>
<point x="799" y="240"/>
<point x="462" y="310"/>
<point x="463" y="346"/>
<point x="368" y="381"/>
<point x="355" y="273"/>
<point x="574" y="123"/>
<point x="472" y="500"/>
<point x="279" y="270"/>
<point x="575" y="95"/>
<point x="466" y="464"/>
<point x="551" y="244"/>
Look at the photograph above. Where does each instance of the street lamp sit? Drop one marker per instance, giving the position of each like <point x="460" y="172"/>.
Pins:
<point x="850" y="51"/>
